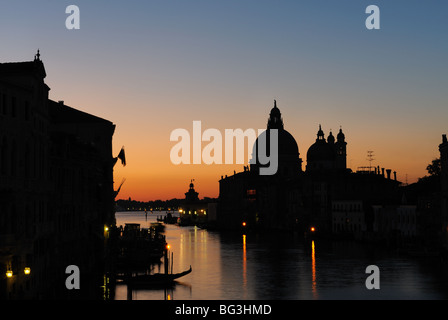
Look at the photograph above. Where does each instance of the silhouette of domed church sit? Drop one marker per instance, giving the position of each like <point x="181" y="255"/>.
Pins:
<point x="293" y="198"/>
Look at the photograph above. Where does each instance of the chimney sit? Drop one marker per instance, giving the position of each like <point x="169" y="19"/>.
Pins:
<point x="61" y="103"/>
<point x="382" y="170"/>
<point x="444" y="138"/>
<point x="395" y="175"/>
<point x="388" y="173"/>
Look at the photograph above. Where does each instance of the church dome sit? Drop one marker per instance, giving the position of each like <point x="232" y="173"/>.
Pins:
<point x="287" y="145"/>
<point x="320" y="150"/>
<point x="288" y="150"/>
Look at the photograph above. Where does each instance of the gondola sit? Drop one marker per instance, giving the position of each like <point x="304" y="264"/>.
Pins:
<point x="157" y="279"/>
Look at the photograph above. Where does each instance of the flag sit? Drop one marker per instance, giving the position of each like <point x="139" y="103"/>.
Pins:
<point x="122" y="157"/>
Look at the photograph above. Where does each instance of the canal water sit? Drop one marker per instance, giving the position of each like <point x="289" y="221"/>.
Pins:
<point x="284" y="267"/>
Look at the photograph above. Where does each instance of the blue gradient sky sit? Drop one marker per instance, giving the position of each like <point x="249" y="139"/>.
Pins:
<point x="153" y="66"/>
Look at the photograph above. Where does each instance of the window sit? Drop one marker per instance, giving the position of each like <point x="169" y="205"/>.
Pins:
<point x="251" y="192"/>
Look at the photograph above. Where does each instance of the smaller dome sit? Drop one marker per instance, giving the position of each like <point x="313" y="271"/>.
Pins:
<point x="320" y="151"/>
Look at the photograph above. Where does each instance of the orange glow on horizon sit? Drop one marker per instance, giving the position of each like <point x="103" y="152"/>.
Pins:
<point x="156" y="180"/>
<point x="150" y="175"/>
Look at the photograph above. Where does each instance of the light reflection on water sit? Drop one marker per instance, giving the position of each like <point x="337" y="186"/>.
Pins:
<point x="268" y="267"/>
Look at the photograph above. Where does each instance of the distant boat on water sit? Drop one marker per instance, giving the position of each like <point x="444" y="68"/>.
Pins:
<point x="157" y="226"/>
<point x="168" y="219"/>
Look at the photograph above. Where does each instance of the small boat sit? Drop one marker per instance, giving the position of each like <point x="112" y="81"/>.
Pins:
<point x="157" y="226"/>
<point x="156" y="279"/>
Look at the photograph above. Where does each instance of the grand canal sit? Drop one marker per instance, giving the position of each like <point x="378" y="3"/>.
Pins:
<point x="274" y="267"/>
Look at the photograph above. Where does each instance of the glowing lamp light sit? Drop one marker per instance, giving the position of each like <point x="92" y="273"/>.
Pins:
<point x="106" y="228"/>
<point x="9" y="274"/>
<point x="313" y="229"/>
<point x="244" y="224"/>
<point x="180" y="211"/>
<point x="27" y="271"/>
<point x="168" y="246"/>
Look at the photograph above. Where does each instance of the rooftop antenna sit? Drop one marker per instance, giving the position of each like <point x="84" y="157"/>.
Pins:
<point x="370" y="158"/>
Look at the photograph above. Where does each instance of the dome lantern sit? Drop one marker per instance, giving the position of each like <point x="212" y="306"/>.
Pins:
<point x="275" y="120"/>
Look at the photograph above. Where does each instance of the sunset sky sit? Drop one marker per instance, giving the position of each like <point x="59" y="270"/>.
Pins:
<point x="153" y="66"/>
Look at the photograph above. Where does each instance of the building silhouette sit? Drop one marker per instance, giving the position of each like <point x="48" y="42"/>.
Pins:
<point x="193" y="211"/>
<point x="317" y="198"/>
<point x="56" y="188"/>
<point x="443" y="149"/>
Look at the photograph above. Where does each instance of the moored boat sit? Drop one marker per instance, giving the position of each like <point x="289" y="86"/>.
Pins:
<point x="156" y="279"/>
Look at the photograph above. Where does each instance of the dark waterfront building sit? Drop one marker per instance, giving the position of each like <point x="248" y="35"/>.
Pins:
<point x="56" y="189"/>
<point x="314" y="201"/>
<point x="443" y="148"/>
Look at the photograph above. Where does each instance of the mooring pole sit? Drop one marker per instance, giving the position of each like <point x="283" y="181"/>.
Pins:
<point x="166" y="263"/>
